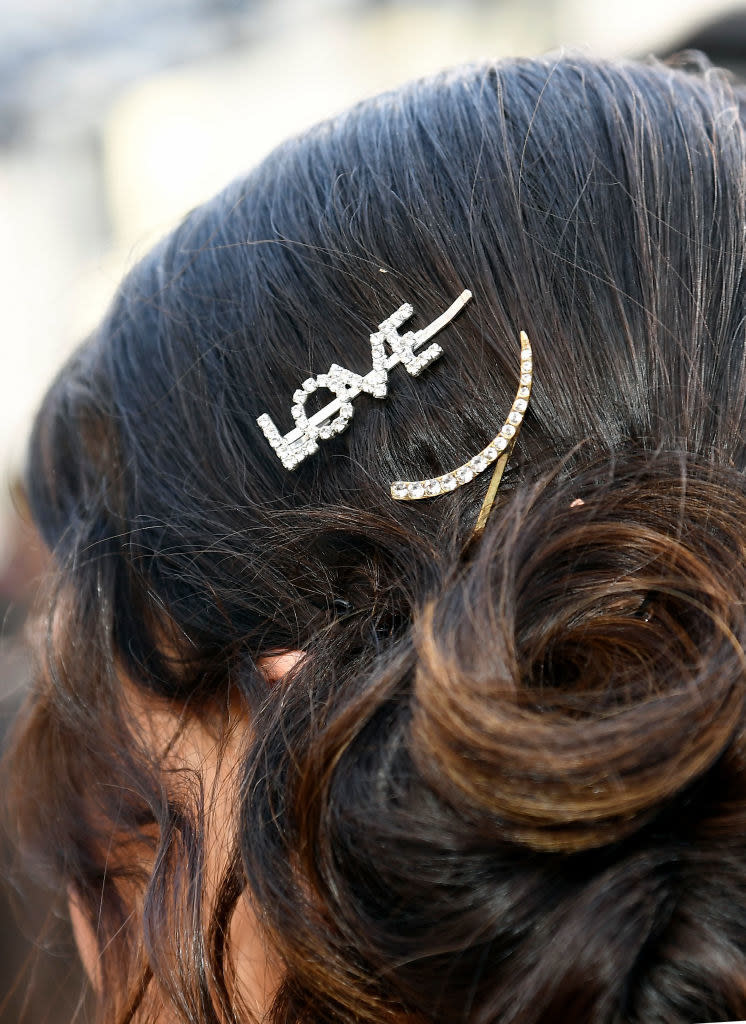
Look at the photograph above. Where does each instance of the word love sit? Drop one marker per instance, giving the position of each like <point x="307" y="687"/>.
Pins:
<point x="302" y="440"/>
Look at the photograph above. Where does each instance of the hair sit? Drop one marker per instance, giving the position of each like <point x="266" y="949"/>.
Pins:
<point x="506" y="782"/>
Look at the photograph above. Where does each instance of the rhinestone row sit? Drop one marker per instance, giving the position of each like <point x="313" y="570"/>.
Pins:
<point x="413" y="490"/>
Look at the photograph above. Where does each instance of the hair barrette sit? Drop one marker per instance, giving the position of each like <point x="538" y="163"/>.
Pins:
<point x="303" y="440"/>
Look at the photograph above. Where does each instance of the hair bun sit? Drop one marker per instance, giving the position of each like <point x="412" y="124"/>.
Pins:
<point x="588" y="664"/>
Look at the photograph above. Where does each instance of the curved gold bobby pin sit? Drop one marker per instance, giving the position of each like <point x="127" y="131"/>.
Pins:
<point x="498" y="450"/>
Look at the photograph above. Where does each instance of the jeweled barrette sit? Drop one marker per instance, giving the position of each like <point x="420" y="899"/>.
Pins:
<point x="302" y="440"/>
<point x="498" y="449"/>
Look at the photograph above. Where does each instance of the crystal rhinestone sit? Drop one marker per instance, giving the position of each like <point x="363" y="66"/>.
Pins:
<point x="508" y="430"/>
<point x="432" y="487"/>
<point x="478" y="463"/>
<point x="515" y="418"/>
<point x="527" y="367"/>
<point x="399" y="489"/>
<point x="464" y="474"/>
<point x="448" y="482"/>
<point x="526" y="355"/>
<point x="299" y="396"/>
<point x="501" y="443"/>
<point x="309" y="385"/>
<point x="490" y="453"/>
<point x="524" y="392"/>
<point x="416" y="490"/>
<point x="325" y="432"/>
<point x="525" y="378"/>
<point x="346" y="409"/>
<point x="297" y="410"/>
<point x="322" y="380"/>
<point x="520" y="404"/>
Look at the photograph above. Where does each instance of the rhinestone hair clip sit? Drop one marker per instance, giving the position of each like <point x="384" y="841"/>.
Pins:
<point x="303" y="440"/>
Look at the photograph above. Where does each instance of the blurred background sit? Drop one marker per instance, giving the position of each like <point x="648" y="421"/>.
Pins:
<point x="116" y="117"/>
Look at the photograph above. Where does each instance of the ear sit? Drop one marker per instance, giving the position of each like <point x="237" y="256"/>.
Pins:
<point x="85" y="939"/>
<point x="274" y="666"/>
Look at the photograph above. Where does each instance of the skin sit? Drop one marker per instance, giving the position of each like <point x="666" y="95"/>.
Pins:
<point x="254" y="976"/>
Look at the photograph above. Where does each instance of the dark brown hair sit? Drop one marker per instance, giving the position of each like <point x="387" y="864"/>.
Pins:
<point x="506" y="783"/>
